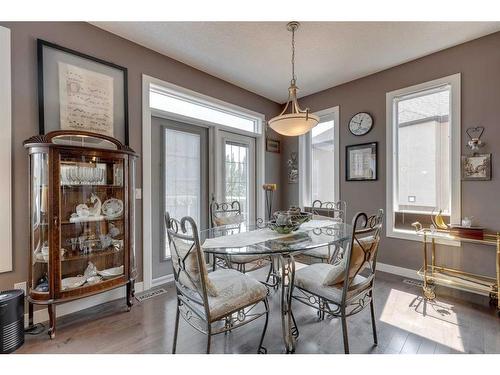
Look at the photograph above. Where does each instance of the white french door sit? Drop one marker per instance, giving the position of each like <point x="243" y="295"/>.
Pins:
<point x="236" y="171"/>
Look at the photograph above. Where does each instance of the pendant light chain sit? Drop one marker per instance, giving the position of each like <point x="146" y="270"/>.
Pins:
<point x="293" y="56"/>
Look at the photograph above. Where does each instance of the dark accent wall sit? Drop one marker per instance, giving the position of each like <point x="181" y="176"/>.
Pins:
<point x="478" y="61"/>
<point x="93" y="41"/>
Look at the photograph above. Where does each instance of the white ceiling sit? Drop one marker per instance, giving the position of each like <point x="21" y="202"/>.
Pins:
<point x="256" y="55"/>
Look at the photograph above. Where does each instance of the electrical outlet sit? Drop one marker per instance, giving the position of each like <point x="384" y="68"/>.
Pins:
<point x="138" y="193"/>
<point x="21" y="286"/>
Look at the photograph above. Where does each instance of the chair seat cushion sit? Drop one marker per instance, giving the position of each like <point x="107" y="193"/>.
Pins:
<point x="234" y="291"/>
<point x="311" y="279"/>
<point x="322" y="252"/>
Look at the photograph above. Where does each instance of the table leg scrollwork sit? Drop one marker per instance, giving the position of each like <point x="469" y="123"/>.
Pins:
<point x="289" y="327"/>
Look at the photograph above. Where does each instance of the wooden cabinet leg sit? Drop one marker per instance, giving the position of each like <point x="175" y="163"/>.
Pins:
<point x="52" y="320"/>
<point x="30" y="315"/>
<point x="130" y="294"/>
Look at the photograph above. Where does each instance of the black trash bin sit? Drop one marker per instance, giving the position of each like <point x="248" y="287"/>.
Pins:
<point x="11" y="320"/>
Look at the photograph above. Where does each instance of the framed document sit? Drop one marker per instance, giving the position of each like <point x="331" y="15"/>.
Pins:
<point x="361" y="162"/>
<point x="81" y="92"/>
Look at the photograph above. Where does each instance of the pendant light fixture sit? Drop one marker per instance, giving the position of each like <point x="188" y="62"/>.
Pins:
<point x="297" y="121"/>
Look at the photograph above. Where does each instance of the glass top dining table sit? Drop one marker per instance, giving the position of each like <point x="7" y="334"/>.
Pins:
<point x="255" y="239"/>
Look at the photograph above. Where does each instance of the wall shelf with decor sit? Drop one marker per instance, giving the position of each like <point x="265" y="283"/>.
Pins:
<point x="82" y="216"/>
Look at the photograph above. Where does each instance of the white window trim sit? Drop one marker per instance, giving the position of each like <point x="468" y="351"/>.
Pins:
<point x="193" y="96"/>
<point x="305" y="173"/>
<point x="455" y="157"/>
<point x="5" y="151"/>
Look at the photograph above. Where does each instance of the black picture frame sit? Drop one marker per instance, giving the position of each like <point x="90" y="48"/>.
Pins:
<point x="121" y="71"/>
<point x="273" y="145"/>
<point x="372" y="146"/>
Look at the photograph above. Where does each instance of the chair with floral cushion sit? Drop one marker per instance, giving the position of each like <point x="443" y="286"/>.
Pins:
<point x="229" y="215"/>
<point x="211" y="303"/>
<point x="334" y="211"/>
<point x="339" y="289"/>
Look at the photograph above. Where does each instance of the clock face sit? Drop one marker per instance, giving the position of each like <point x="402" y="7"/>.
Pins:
<point x="361" y="123"/>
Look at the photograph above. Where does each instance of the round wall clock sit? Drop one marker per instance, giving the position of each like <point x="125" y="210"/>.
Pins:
<point x="361" y="123"/>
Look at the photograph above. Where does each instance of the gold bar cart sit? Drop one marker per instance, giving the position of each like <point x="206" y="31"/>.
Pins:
<point x="433" y="274"/>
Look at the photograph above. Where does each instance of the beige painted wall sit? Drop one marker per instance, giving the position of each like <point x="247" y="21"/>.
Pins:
<point x="479" y="63"/>
<point x="139" y="60"/>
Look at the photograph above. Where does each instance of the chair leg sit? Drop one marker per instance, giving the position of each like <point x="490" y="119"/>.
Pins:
<point x="344" y="332"/>
<point x="214" y="259"/>
<point x="295" y="328"/>
<point x="176" y="329"/>
<point x="374" y="327"/>
<point x="209" y="338"/>
<point x="262" y="349"/>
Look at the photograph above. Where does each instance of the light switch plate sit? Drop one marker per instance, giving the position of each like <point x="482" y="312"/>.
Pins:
<point x="21" y="286"/>
<point x="138" y="193"/>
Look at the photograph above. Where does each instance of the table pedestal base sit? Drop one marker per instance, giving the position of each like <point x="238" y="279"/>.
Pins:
<point x="288" y="324"/>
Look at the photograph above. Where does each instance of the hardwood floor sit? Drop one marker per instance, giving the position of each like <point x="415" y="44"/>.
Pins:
<point x="457" y="322"/>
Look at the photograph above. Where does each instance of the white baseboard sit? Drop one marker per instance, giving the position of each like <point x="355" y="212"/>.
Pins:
<point x="42" y="315"/>
<point x="400" y="271"/>
<point x="162" y="280"/>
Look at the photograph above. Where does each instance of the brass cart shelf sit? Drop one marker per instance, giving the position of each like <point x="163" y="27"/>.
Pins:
<point x="433" y="274"/>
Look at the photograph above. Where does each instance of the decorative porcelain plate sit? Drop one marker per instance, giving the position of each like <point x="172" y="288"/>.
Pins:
<point x="73" y="282"/>
<point x="112" y="208"/>
<point x="111" y="272"/>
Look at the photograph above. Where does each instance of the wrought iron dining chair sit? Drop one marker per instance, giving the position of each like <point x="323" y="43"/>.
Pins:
<point x="229" y="214"/>
<point x="339" y="290"/>
<point x="333" y="210"/>
<point x="211" y="303"/>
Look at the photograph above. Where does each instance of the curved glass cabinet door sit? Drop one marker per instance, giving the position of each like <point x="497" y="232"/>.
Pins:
<point x="39" y="222"/>
<point x="133" y="266"/>
<point x="93" y="220"/>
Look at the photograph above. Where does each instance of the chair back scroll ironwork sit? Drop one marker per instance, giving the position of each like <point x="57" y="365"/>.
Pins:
<point x="190" y="279"/>
<point x="330" y="209"/>
<point x="225" y="213"/>
<point x="364" y="244"/>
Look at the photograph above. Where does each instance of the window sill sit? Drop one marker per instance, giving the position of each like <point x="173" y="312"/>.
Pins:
<point x="412" y="236"/>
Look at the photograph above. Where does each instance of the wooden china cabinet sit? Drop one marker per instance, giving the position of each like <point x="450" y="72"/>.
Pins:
<point x="82" y="218"/>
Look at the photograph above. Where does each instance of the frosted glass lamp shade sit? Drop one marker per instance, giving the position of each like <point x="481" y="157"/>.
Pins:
<point x="293" y="124"/>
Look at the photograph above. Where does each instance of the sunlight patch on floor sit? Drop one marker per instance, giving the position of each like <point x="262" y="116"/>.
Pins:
<point x="436" y="321"/>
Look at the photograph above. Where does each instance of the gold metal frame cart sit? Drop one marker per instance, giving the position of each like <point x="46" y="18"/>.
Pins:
<point x="433" y="274"/>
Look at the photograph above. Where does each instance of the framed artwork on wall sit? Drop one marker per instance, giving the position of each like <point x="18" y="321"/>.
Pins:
<point x="361" y="162"/>
<point x="81" y="92"/>
<point x="273" y="145"/>
<point x="476" y="167"/>
<point x="293" y="168"/>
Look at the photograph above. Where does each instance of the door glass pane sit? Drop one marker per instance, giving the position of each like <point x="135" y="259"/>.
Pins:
<point x="322" y="159"/>
<point x="182" y="192"/>
<point x="92" y="222"/>
<point x="39" y="196"/>
<point x="236" y="173"/>
<point x="423" y="162"/>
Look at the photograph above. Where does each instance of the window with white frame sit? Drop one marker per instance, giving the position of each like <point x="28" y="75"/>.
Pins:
<point x="423" y="154"/>
<point x="160" y="98"/>
<point x="319" y="159"/>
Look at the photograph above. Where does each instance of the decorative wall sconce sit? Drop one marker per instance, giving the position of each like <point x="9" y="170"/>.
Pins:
<point x="475" y="134"/>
